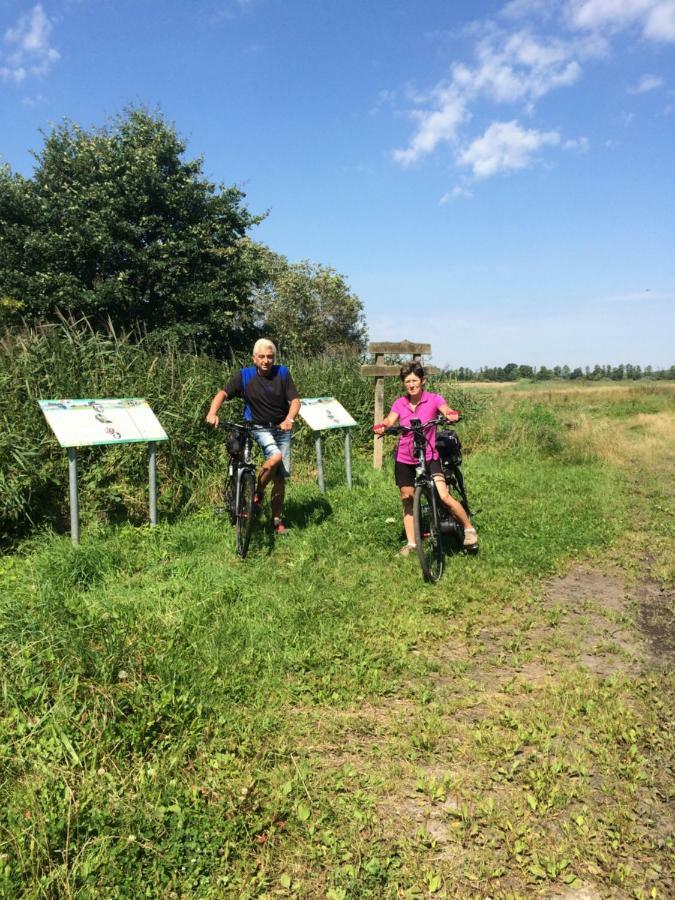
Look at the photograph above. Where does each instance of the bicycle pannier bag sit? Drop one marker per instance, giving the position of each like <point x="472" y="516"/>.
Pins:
<point x="449" y="447"/>
<point x="235" y="443"/>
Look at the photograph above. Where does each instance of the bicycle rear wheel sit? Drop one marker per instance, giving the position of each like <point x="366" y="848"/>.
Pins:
<point x="245" y="512"/>
<point x="428" y="535"/>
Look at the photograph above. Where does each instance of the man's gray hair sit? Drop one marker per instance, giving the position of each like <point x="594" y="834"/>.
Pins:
<point x="264" y="344"/>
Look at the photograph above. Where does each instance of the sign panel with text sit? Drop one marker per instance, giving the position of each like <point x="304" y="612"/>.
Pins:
<point x="323" y="413"/>
<point x="86" y="423"/>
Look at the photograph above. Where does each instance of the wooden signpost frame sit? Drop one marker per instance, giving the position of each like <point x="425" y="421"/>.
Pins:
<point x="379" y="371"/>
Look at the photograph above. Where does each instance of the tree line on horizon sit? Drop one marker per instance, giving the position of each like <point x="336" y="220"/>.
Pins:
<point x="516" y="372"/>
<point x="118" y="228"/>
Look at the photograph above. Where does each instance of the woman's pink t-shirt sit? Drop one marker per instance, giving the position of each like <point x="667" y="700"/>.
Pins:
<point x="428" y="407"/>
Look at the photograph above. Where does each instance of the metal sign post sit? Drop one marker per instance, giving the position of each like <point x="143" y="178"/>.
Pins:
<point x="348" y="458"/>
<point x="74" y="502"/>
<point x="324" y="414"/>
<point x="88" y="423"/>
<point x="319" y="463"/>
<point x="152" y="480"/>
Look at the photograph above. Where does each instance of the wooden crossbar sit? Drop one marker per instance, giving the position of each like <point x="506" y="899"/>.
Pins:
<point x="379" y="371"/>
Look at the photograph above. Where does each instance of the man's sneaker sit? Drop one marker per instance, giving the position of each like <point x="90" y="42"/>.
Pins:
<point x="279" y="527"/>
<point x="470" y="539"/>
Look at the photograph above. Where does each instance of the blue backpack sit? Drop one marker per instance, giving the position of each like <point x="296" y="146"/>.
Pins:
<point x="247" y="374"/>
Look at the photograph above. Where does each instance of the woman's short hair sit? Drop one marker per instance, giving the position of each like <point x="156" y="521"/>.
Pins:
<point x="263" y="344"/>
<point x="412" y="368"/>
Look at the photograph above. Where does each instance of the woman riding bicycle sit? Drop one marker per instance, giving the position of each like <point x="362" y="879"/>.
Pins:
<point x="422" y="405"/>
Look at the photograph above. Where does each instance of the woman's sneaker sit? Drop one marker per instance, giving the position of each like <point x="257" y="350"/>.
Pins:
<point x="279" y="527"/>
<point x="407" y="550"/>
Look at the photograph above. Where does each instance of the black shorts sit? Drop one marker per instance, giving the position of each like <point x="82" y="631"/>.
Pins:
<point x="405" y="472"/>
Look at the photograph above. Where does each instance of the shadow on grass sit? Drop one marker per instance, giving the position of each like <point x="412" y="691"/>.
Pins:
<point x="302" y="513"/>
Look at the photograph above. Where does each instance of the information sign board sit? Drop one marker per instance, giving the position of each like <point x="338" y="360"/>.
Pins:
<point x="86" y="423"/>
<point x="323" y="413"/>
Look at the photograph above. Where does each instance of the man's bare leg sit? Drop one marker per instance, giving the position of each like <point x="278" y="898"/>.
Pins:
<point x="278" y="494"/>
<point x="266" y="472"/>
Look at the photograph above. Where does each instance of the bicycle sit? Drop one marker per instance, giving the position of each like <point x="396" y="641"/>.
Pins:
<point x="432" y="520"/>
<point x="241" y="481"/>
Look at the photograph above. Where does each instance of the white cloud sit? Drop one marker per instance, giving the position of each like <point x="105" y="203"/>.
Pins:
<point x="37" y="100"/>
<point x="513" y="65"/>
<point x="646" y="295"/>
<point x="28" y="49"/>
<point x="516" y="67"/>
<point x="580" y="144"/>
<point x="435" y="126"/>
<point x="456" y="193"/>
<point x="646" y="83"/>
<point x="504" y="147"/>
<point x="526" y="9"/>
<point x="655" y="17"/>
<point x="660" y="24"/>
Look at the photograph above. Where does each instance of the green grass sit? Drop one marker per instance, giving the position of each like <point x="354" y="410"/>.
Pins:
<point x="315" y="720"/>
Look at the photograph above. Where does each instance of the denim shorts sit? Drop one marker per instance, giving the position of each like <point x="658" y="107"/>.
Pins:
<point x="274" y="440"/>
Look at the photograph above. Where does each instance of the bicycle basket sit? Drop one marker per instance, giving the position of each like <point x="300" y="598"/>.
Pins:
<point x="235" y="443"/>
<point x="449" y="447"/>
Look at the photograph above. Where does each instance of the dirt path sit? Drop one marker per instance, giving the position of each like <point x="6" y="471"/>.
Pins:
<point x="534" y="760"/>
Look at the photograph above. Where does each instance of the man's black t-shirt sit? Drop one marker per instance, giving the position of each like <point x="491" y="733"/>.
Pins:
<point x="267" y="396"/>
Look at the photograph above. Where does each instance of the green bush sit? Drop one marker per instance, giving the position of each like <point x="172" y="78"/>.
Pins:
<point x="68" y="360"/>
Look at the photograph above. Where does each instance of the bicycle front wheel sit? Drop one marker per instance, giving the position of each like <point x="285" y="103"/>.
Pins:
<point x="428" y="535"/>
<point x="245" y="512"/>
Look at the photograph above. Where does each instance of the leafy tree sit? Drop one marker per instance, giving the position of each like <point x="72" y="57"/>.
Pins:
<point x="308" y="308"/>
<point x="116" y="225"/>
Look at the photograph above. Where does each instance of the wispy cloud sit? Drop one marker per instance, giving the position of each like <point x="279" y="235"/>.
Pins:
<point x="505" y="147"/>
<point x="513" y="64"/>
<point x="457" y="193"/>
<point x="646" y="295"/>
<point x="509" y="67"/>
<point x="646" y="83"/>
<point x="656" y="18"/>
<point x="36" y="100"/>
<point x="436" y="126"/>
<point x="27" y="47"/>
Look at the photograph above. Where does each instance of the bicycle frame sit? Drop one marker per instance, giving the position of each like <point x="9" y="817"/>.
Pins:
<point x="241" y="471"/>
<point x="242" y="464"/>
<point x="432" y="520"/>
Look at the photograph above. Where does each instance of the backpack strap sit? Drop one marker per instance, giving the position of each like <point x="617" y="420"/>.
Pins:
<point x="247" y="374"/>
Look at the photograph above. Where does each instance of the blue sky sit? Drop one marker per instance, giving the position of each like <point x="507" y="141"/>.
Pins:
<point x="494" y="178"/>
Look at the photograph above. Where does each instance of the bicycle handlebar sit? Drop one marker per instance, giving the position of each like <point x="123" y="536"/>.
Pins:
<point x="245" y="426"/>
<point x="420" y="429"/>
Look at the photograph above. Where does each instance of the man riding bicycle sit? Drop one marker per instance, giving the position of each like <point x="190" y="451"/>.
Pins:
<point x="272" y="404"/>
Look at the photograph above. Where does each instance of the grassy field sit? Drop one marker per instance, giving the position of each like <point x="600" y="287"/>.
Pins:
<point x="315" y="721"/>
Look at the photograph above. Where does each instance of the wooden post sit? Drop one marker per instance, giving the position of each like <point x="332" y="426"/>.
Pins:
<point x="379" y="411"/>
<point x="379" y="371"/>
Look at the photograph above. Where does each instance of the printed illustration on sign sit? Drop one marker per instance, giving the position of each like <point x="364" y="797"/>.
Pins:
<point x="323" y="413"/>
<point x="87" y="422"/>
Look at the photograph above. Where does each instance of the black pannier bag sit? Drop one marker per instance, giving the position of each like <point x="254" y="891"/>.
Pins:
<point x="449" y="447"/>
<point x="235" y="443"/>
